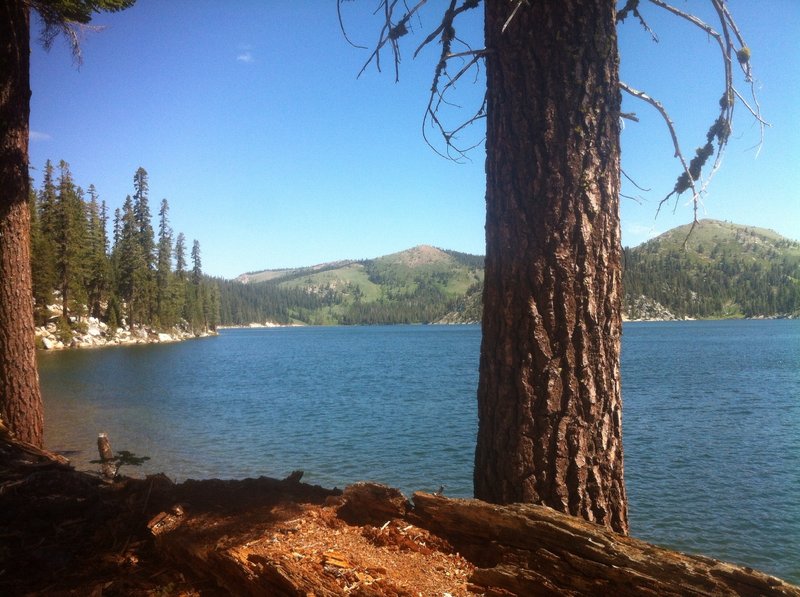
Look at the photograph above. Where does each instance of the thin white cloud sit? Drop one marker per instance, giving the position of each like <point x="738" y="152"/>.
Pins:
<point x="640" y="230"/>
<point x="246" y="57"/>
<point x="634" y="234"/>
<point x="37" y="136"/>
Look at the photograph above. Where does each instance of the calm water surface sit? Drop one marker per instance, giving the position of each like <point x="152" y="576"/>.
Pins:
<point x="711" y="424"/>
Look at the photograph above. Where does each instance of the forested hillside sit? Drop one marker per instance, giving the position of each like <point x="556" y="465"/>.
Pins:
<point x="136" y="277"/>
<point x="419" y="285"/>
<point x="720" y="270"/>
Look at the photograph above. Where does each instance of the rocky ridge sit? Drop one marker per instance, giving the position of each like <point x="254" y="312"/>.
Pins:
<point x="643" y="308"/>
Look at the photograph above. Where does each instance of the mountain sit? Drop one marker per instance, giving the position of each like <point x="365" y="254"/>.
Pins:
<point x="421" y="284"/>
<point x="718" y="270"/>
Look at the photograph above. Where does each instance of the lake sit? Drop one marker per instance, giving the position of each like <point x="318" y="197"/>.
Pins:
<point x="711" y="418"/>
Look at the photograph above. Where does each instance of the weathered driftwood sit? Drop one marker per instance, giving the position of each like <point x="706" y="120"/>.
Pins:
<point x="372" y="503"/>
<point x="107" y="469"/>
<point x="533" y="550"/>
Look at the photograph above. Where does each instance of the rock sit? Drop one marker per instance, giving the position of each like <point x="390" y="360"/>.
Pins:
<point x="98" y="334"/>
<point x="646" y="309"/>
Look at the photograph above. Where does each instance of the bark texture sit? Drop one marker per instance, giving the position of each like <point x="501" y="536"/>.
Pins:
<point x="549" y="404"/>
<point x="20" y="397"/>
<point x="526" y="549"/>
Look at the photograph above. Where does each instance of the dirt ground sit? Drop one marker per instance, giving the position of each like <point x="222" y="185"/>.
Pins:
<point x="70" y="533"/>
<point x="64" y="532"/>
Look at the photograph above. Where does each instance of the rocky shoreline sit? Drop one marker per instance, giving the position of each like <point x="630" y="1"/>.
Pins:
<point x="258" y="324"/>
<point x="97" y="335"/>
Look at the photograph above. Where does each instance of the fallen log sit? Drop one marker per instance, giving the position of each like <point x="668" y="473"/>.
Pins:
<point x="527" y="549"/>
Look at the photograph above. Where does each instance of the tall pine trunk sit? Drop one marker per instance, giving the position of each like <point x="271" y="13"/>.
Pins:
<point x="20" y="397"/>
<point x="549" y="400"/>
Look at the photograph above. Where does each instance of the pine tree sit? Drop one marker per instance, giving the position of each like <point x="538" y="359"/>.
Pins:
<point x="180" y="256"/>
<point x="98" y="273"/>
<point x="197" y="264"/>
<point x="45" y="258"/>
<point x="42" y="269"/>
<point x="196" y="293"/>
<point x="131" y="264"/>
<point x="47" y="202"/>
<point x="70" y="241"/>
<point x="213" y="310"/>
<point x="146" y="239"/>
<point x="165" y="306"/>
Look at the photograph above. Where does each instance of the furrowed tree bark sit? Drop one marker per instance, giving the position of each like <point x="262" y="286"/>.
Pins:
<point x="20" y="397"/>
<point x="549" y="402"/>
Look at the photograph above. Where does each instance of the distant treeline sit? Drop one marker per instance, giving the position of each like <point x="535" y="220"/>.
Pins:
<point x="141" y="276"/>
<point x="420" y="285"/>
<point x="727" y="270"/>
<point x="268" y="301"/>
<point x="137" y="277"/>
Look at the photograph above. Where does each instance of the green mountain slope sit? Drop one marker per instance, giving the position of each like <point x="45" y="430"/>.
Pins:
<point x="421" y="284"/>
<point x="719" y="270"/>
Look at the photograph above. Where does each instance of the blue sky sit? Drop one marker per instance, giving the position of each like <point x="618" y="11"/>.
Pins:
<point x="250" y="120"/>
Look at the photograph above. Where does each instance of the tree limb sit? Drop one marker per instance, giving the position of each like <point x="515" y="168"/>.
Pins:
<point x="673" y="134"/>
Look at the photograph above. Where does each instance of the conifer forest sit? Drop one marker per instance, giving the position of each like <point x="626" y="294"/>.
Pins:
<point x="142" y="275"/>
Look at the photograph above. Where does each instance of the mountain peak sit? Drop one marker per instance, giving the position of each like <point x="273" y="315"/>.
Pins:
<point x="419" y="255"/>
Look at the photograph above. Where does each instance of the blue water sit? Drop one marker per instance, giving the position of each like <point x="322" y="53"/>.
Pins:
<point x="711" y="418"/>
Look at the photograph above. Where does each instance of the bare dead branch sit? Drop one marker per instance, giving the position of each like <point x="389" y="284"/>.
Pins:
<point x="633" y="182"/>
<point x="689" y="234"/>
<point x="393" y="28"/>
<point x="342" y="27"/>
<point x="632" y="6"/>
<point x="676" y="145"/>
<point x="727" y="38"/>
<point x="638" y="200"/>
<point x="390" y="33"/>
<point x="697" y="22"/>
<point x="755" y="112"/>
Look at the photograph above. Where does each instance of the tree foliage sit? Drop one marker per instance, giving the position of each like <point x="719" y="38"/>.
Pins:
<point x="130" y="281"/>
<point x="67" y="17"/>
